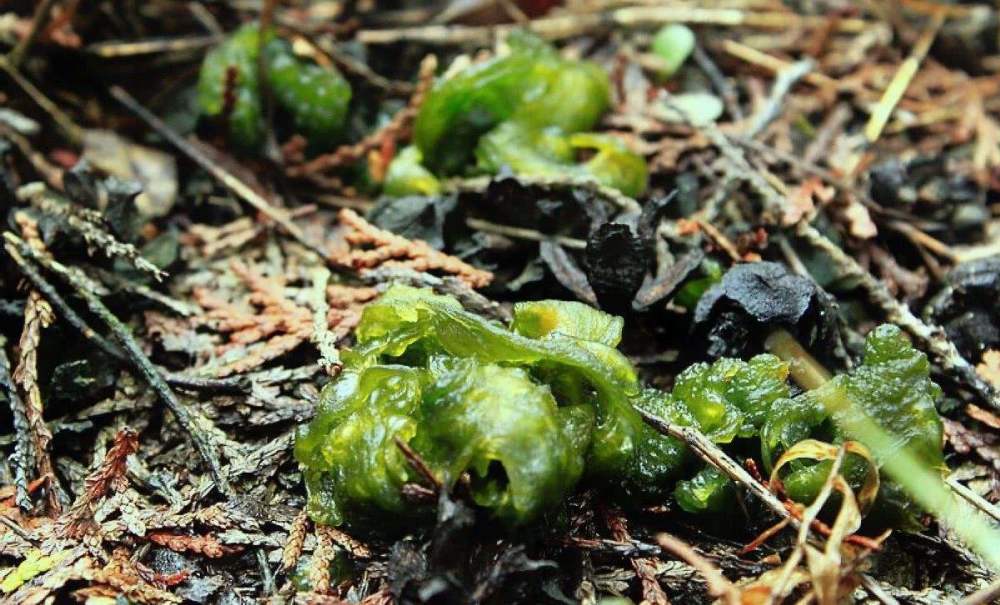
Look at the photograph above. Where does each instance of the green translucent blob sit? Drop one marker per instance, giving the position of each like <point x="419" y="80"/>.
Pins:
<point x="527" y="110"/>
<point x="709" y="491"/>
<point x="538" y="319"/>
<point x="732" y="398"/>
<point x="523" y="451"/>
<point x="548" y="153"/>
<point x="697" y="108"/>
<point x="350" y="461"/>
<point x="407" y="176"/>
<point x="316" y="98"/>
<point x="673" y="44"/>
<point x="520" y="414"/>
<point x="893" y="389"/>
<point x="237" y="54"/>
<point x="531" y="84"/>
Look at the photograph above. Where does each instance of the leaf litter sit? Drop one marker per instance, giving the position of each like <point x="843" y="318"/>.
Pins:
<point x="174" y="305"/>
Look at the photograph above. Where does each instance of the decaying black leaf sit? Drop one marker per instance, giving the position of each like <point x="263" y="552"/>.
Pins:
<point x="967" y="306"/>
<point x="737" y="314"/>
<point x="566" y="271"/>
<point x="114" y="197"/>
<point x="617" y="260"/>
<point x="417" y="217"/>
<point x="655" y="289"/>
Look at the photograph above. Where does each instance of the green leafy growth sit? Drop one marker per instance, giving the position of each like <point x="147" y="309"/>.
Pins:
<point x="316" y="98"/>
<point x="732" y="398"/>
<point x="892" y="388"/>
<point x="237" y="54"/>
<point x="526" y="109"/>
<point x="709" y="491"/>
<point x="526" y="411"/>
<point x="408" y="176"/>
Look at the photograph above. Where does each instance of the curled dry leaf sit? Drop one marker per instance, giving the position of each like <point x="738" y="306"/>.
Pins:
<point x="859" y="221"/>
<point x="801" y="204"/>
<point x="989" y="368"/>
<point x="812" y="449"/>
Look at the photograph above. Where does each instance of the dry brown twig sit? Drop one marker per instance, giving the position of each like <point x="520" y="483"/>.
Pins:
<point x="718" y="586"/>
<point x="109" y="475"/>
<point x="272" y="325"/>
<point x="207" y="545"/>
<point x="319" y="567"/>
<point x="292" y="551"/>
<point x="89" y="223"/>
<point x="120" y="576"/>
<point x="645" y="567"/>
<point x="371" y="247"/>
<point x="38" y="314"/>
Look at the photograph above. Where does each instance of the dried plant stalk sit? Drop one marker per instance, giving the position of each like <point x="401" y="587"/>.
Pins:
<point x="373" y="247"/>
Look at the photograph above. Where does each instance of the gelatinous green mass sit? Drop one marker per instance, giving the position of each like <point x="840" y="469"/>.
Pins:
<point x="891" y="389"/>
<point x="528" y="110"/>
<point x="524" y="411"/>
<point x="408" y="176"/>
<point x="315" y="98"/>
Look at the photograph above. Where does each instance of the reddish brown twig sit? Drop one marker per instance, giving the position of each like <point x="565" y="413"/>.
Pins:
<point x="645" y="567"/>
<point x="372" y="247"/>
<point x="109" y="475"/>
<point x="207" y="545"/>
<point x="292" y="551"/>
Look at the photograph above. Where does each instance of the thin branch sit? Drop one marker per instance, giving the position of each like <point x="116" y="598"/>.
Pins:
<point x="987" y="595"/>
<point x="22" y="458"/>
<point x="241" y="189"/>
<point x="70" y="128"/>
<point x="714" y="455"/>
<point x="197" y="426"/>
<point x="904" y="75"/>
<point x="234" y="385"/>
<point x="42" y="10"/>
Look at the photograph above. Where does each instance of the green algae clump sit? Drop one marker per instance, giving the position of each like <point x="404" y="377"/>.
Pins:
<point x="524" y="412"/>
<point x="529" y="110"/>
<point x="520" y="414"/>
<point x="229" y="88"/>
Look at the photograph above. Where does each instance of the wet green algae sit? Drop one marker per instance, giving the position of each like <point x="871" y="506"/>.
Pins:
<point x="525" y="412"/>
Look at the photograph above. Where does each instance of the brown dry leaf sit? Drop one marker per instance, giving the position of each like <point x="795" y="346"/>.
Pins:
<point x="989" y="367"/>
<point x="986" y="153"/>
<point x="859" y="221"/>
<point x="985" y="416"/>
<point x="831" y="578"/>
<point x="812" y="449"/>
<point x="154" y="169"/>
<point x="123" y="577"/>
<point x="966" y="440"/>
<point x="800" y="200"/>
